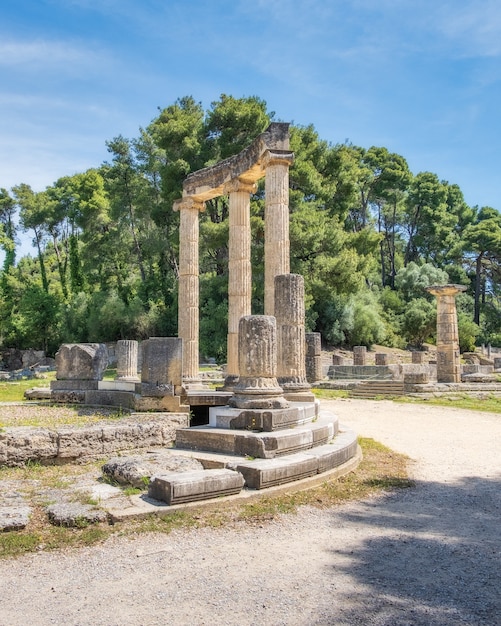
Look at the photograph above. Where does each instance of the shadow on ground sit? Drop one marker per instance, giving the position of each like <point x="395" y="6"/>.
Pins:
<point x="433" y="557"/>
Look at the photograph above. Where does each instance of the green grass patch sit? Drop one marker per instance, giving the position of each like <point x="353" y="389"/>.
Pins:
<point x="487" y="402"/>
<point x="330" y="394"/>
<point x="13" y="391"/>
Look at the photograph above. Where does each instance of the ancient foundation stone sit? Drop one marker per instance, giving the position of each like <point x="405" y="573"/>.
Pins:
<point x="381" y="358"/>
<point x="162" y="365"/>
<point x="174" y="488"/>
<point x="81" y="361"/>
<point x="418" y="357"/>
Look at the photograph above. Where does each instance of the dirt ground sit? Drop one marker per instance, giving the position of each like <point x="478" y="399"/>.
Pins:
<point x="430" y="555"/>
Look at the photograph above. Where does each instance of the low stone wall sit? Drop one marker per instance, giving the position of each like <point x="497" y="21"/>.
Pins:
<point x="18" y="445"/>
<point x="364" y="372"/>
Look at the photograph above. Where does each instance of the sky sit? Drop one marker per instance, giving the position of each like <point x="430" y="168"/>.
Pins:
<point x="421" y="78"/>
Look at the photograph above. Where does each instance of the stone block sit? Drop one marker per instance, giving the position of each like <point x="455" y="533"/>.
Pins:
<point x="162" y="361"/>
<point x="339" y="451"/>
<point x="265" y="420"/>
<point x="261" y="474"/>
<point x="74" y="514"/>
<point x="74" y="385"/>
<point x="21" y="444"/>
<point x="178" y="488"/>
<point x="81" y="361"/>
<point x="137" y="470"/>
<point x="14" y="517"/>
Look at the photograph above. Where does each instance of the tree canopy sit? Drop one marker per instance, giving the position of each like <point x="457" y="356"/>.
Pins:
<point x="366" y="233"/>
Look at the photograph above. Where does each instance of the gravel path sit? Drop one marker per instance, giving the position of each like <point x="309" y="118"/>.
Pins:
<point x="427" y="556"/>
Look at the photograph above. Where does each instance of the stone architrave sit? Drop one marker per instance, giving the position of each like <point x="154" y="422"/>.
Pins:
<point x="448" y="359"/>
<point x="127" y="351"/>
<point x="81" y="361"/>
<point x="161" y="370"/>
<point x="313" y="357"/>
<point x="239" y="269"/>
<point x="188" y="298"/>
<point x="359" y="355"/>
<point x="276" y="222"/>
<point x="258" y="387"/>
<point x="291" y="340"/>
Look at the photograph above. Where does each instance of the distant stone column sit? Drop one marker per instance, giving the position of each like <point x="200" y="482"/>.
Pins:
<point x="276" y="222"/>
<point x="258" y="387"/>
<point x="188" y="298"/>
<point x="313" y="357"/>
<point x="239" y="269"/>
<point x="359" y="355"/>
<point x="127" y="351"/>
<point x="448" y="363"/>
<point x="291" y="341"/>
<point x="381" y="358"/>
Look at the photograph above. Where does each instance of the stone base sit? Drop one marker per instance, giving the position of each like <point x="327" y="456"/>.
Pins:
<point x="262" y="474"/>
<point x="166" y="403"/>
<point x="299" y="396"/>
<point x="175" y="488"/>
<point x="258" y="445"/>
<point x="267" y="420"/>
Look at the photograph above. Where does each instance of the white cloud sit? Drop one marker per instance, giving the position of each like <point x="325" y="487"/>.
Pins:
<point x="49" y="55"/>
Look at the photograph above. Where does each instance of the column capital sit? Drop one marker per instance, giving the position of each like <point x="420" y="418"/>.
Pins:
<point x="188" y="202"/>
<point x="239" y="184"/>
<point x="277" y="157"/>
<point x="445" y="290"/>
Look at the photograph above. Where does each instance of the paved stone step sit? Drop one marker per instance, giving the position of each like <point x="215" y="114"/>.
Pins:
<point x="264" y="473"/>
<point x="178" y="488"/>
<point x="371" y="389"/>
<point x="263" y="445"/>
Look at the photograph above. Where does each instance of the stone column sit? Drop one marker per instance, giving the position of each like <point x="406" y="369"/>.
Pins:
<point x="276" y="222"/>
<point x="127" y="351"/>
<point x="448" y="363"/>
<point x="314" y="357"/>
<point x="257" y="387"/>
<point x="290" y="316"/>
<point x="359" y="355"/>
<point x="188" y="299"/>
<point x="239" y="269"/>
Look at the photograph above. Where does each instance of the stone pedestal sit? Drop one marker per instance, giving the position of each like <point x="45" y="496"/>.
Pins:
<point x="239" y="269"/>
<point x="497" y="363"/>
<point x="381" y="358"/>
<point x="359" y="355"/>
<point x="161" y="371"/>
<point x="448" y="360"/>
<point x="418" y="358"/>
<point x="258" y="387"/>
<point x="313" y="357"/>
<point x="291" y="341"/>
<point x="127" y="351"/>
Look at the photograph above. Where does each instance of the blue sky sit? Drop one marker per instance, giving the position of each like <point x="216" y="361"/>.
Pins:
<point x="421" y="78"/>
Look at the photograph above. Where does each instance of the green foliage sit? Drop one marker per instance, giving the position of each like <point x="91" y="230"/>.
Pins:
<point x="367" y="235"/>
<point x="418" y="321"/>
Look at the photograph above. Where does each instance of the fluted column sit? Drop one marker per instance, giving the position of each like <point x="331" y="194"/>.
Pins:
<point x="448" y="360"/>
<point x="239" y="268"/>
<point x="127" y="350"/>
<point x="188" y="299"/>
<point x="276" y="222"/>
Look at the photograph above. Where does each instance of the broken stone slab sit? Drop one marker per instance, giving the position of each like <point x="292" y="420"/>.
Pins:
<point x="177" y="488"/>
<point x="38" y="393"/>
<point x="14" y="517"/>
<point x="20" y="444"/>
<point x="81" y="361"/>
<point x="74" y="514"/>
<point x="138" y="470"/>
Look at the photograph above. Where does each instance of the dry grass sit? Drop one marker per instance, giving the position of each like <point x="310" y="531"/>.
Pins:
<point x="381" y="470"/>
